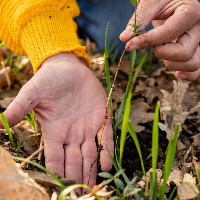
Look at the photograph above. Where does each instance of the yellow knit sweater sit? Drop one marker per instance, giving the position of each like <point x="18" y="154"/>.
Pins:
<point x="40" y="28"/>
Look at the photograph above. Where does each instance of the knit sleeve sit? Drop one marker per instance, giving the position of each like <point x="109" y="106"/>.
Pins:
<point x="40" y="28"/>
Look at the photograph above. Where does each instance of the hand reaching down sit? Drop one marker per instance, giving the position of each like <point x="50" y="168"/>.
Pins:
<point x="176" y="35"/>
<point x="69" y="103"/>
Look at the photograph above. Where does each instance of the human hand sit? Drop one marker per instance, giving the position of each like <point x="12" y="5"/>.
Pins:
<point x="176" y="35"/>
<point x="69" y="102"/>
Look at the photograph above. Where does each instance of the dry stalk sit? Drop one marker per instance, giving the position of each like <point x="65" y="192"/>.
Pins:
<point x="23" y="164"/>
<point x="41" y="152"/>
<point x="6" y="74"/>
<point x="100" y="146"/>
<point x="109" y="96"/>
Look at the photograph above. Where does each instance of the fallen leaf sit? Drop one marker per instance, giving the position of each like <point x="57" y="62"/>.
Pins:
<point x="5" y="77"/>
<point x="188" y="178"/>
<point x="196" y="139"/>
<point x="15" y="184"/>
<point x="171" y="108"/>
<point x="7" y="97"/>
<point x="45" y="180"/>
<point x="140" y="114"/>
<point x="175" y="177"/>
<point x="180" y="145"/>
<point x="29" y="140"/>
<point x="187" y="191"/>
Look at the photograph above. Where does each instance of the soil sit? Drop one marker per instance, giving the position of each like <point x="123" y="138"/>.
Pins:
<point x="147" y="91"/>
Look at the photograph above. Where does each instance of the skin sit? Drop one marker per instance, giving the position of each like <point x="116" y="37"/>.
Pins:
<point x="176" y="35"/>
<point x="69" y="103"/>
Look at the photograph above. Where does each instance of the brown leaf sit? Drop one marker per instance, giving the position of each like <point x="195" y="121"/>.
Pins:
<point x="5" y="77"/>
<point x="187" y="191"/>
<point x="175" y="177"/>
<point x="45" y="180"/>
<point x="14" y="184"/>
<point x="172" y="111"/>
<point x="7" y="97"/>
<point x="30" y="141"/>
<point x="140" y="114"/>
<point x="196" y="139"/>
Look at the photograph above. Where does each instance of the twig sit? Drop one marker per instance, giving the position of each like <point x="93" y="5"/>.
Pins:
<point x="6" y="74"/>
<point x="99" y="148"/>
<point x="109" y="96"/>
<point x="23" y="164"/>
<point x="41" y="152"/>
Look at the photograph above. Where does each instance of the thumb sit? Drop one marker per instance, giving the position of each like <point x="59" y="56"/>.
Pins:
<point x="21" y="105"/>
<point x="146" y="12"/>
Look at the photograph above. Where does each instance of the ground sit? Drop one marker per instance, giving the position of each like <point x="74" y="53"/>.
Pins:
<point x="154" y="83"/>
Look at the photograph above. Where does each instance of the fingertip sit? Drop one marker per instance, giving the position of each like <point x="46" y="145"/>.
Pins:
<point x="106" y="166"/>
<point x="181" y="75"/>
<point x="126" y="35"/>
<point x="189" y="76"/>
<point x="106" y="159"/>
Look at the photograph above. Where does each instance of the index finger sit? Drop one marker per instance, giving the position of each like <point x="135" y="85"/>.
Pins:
<point x="183" y="19"/>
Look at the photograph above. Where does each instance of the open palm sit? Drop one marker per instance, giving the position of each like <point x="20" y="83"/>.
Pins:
<point x="69" y="103"/>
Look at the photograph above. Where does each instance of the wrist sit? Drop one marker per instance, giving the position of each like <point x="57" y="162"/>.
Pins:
<point x="63" y="58"/>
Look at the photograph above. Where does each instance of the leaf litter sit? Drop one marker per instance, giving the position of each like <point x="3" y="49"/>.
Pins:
<point x="158" y="85"/>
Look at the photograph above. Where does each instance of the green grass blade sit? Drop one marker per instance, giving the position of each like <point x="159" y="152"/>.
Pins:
<point x="172" y="193"/>
<point x="124" y="126"/>
<point x="122" y="105"/>
<point x="131" y="83"/>
<point x="137" y="144"/>
<point x="151" y="186"/>
<point x="106" y="65"/>
<point x="171" y="151"/>
<point x="43" y="169"/>
<point x="155" y="139"/>
<point x="1" y="44"/>
<point x="7" y="127"/>
<point x="132" y="2"/>
<point x="130" y="79"/>
<point x="198" y="174"/>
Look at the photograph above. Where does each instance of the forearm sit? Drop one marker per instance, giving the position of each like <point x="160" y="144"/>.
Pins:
<point x="40" y="28"/>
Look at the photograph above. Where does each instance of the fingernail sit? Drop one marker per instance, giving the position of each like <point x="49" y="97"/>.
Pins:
<point x="132" y="47"/>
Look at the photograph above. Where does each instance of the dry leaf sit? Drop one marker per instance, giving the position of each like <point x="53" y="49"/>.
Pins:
<point x="187" y="191"/>
<point x="171" y="108"/>
<point x="54" y="196"/>
<point x="29" y="140"/>
<point x="6" y="98"/>
<point x="5" y="77"/>
<point x="47" y="181"/>
<point x="196" y="139"/>
<point x="180" y="146"/>
<point x="175" y="177"/>
<point x="15" y="184"/>
<point x="140" y="114"/>
<point x="188" y="178"/>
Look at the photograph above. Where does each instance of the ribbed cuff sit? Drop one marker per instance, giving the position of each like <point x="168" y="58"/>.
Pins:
<point x="48" y="34"/>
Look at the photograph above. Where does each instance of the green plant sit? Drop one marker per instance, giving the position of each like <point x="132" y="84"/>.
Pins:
<point x="127" y="190"/>
<point x="8" y="130"/>
<point x="136" y="142"/>
<point x="31" y="119"/>
<point x="171" y="150"/>
<point x="1" y="44"/>
<point x="21" y="142"/>
<point x="43" y="169"/>
<point x="155" y="137"/>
